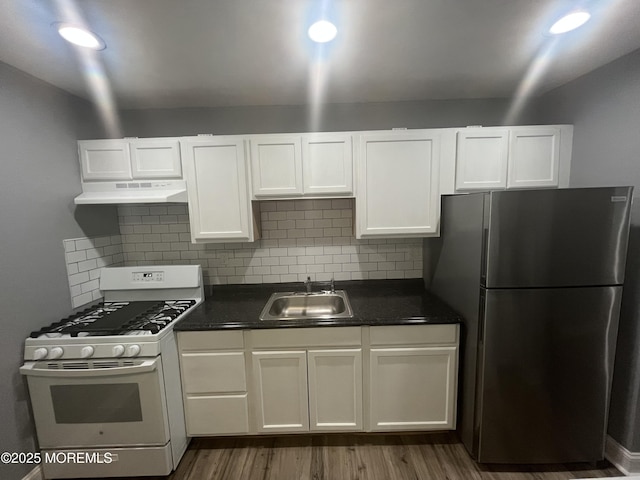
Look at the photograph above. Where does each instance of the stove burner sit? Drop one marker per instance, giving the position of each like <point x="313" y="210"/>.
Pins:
<point x="118" y="318"/>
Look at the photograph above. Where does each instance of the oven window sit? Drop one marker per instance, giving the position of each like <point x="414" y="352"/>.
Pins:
<point x="100" y="403"/>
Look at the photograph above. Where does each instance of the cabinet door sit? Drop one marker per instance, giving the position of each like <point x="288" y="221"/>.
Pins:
<point x="413" y="388"/>
<point x="534" y="157"/>
<point x="327" y="161"/>
<point x="105" y="159"/>
<point x="335" y="389"/>
<point x="281" y="400"/>
<point x="398" y="184"/>
<point x="276" y="163"/>
<point x="219" y="204"/>
<point x="481" y="159"/>
<point x="216" y="414"/>
<point x="156" y="158"/>
<point x="213" y="372"/>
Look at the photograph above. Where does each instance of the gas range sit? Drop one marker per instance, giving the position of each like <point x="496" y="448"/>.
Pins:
<point x="106" y="380"/>
<point x="141" y="306"/>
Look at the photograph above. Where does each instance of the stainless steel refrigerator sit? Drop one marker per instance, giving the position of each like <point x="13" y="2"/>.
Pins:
<point x="537" y="276"/>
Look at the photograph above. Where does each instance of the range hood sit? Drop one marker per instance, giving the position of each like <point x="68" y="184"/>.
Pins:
<point x="168" y="191"/>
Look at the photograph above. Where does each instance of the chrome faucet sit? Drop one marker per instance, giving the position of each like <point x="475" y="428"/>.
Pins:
<point x="307" y="284"/>
<point x="333" y="286"/>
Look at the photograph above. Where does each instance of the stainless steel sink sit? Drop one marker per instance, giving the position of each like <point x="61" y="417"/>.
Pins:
<point x="314" y="305"/>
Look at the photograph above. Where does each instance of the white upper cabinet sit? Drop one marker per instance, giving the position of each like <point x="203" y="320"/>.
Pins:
<point x="155" y="158"/>
<point x="482" y="159"/>
<point x="276" y="163"/>
<point x="534" y="157"/>
<point x="327" y="163"/>
<point x="217" y="184"/>
<point x="105" y="159"/>
<point x="398" y="184"/>
<point x="493" y="158"/>
<point x="311" y="164"/>
<point x="127" y="159"/>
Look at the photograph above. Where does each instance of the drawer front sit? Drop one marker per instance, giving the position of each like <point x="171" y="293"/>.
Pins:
<point x="414" y="334"/>
<point x="213" y="372"/>
<point x="217" y="414"/>
<point x="210" y="340"/>
<point x="306" y="337"/>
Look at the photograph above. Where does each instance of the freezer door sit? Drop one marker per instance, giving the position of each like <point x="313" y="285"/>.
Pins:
<point x="554" y="238"/>
<point x="545" y="367"/>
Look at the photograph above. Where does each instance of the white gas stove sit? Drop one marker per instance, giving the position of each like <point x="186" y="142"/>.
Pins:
<point x="106" y="381"/>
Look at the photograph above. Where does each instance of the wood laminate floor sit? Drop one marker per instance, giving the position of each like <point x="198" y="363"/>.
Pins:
<point x="438" y="456"/>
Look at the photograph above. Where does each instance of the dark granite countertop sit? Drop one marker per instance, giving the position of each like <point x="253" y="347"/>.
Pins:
<point x="374" y="302"/>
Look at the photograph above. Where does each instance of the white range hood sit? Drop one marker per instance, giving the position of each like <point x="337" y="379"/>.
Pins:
<point x="156" y="191"/>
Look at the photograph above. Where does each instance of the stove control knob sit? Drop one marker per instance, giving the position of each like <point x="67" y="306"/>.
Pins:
<point x="40" y="353"/>
<point x="133" y="350"/>
<point x="86" y="352"/>
<point x="118" y="350"/>
<point x="56" y="352"/>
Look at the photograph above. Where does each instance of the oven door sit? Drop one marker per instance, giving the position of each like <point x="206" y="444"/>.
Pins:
<point x="98" y="403"/>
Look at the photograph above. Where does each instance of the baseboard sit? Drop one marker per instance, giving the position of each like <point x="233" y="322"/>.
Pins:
<point x="35" y="474"/>
<point x="624" y="460"/>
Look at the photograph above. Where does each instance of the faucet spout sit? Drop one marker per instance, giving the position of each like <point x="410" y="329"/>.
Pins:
<point x="307" y="284"/>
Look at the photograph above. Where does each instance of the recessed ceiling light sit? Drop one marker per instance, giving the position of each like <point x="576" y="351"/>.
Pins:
<point x="322" y="31"/>
<point x="80" y="36"/>
<point x="570" y="22"/>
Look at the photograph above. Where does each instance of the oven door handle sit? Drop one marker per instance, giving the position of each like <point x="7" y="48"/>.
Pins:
<point x="31" y="368"/>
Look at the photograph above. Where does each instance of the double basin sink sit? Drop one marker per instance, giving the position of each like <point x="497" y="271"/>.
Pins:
<point x="303" y="305"/>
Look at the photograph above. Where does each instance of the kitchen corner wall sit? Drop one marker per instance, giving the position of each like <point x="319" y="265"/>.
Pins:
<point x="300" y="238"/>
<point x="85" y="258"/>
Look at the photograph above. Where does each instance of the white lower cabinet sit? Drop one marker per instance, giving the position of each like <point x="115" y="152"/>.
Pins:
<point x="319" y="379"/>
<point x="280" y="380"/>
<point x="412" y="381"/>
<point x="214" y="383"/>
<point x="303" y="388"/>
<point x="335" y="389"/>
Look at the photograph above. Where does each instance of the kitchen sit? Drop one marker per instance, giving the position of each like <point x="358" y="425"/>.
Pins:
<point x="41" y="125"/>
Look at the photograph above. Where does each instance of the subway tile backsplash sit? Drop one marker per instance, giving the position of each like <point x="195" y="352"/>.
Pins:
<point x="84" y="258"/>
<point x="300" y="238"/>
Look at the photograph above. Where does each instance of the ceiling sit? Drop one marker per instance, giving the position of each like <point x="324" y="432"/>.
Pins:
<point x="194" y="53"/>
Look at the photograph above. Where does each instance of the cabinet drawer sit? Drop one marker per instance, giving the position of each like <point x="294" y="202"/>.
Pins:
<point x="217" y="414"/>
<point x="210" y="340"/>
<point x="213" y="372"/>
<point x="306" y="337"/>
<point x="413" y="334"/>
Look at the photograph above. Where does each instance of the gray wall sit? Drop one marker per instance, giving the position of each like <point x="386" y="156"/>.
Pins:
<point x="604" y="107"/>
<point x="333" y="117"/>
<point x="39" y="126"/>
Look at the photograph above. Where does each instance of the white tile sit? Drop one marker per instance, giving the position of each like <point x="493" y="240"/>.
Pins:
<point x="291" y="277"/>
<point x="271" y="261"/>
<point x="78" y="256"/>
<point x="314" y="232"/>
<point x="158" y="210"/>
<point x="295" y="215"/>
<point x="268" y="206"/>
<point x="87" y="265"/>
<point x="84" y="244"/>
<point x="270" y="279"/>
<point x="94" y="274"/>
<point x="72" y="268"/>
<point x="89" y="286"/>
<point x="332" y="232"/>
<point x="342" y="203"/>
<point x="275" y="216"/>
<point x="377" y="275"/>
<point x="153" y="256"/>
<point x="315" y="268"/>
<point x="323" y="258"/>
<point x="69" y="245"/>
<point x="94" y="253"/>
<point x="306" y="260"/>
<point x="170" y="255"/>
<point x="162" y="228"/>
<point x="102" y="241"/>
<point x="313" y="214"/>
<point x="78" y="278"/>
<point x="333" y="267"/>
<point x="142" y="229"/>
<point x="279" y="269"/>
<point x="314" y="250"/>
<point x="81" y="300"/>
